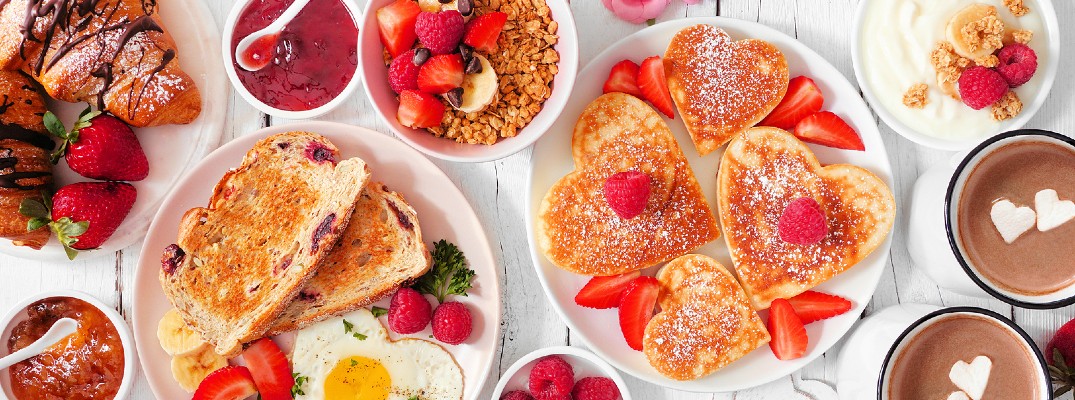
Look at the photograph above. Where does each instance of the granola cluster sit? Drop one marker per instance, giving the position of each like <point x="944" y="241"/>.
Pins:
<point x="985" y="33"/>
<point x="949" y="66"/>
<point x="1022" y="36"/>
<point x="1007" y="107"/>
<point x="525" y="63"/>
<point x="1017" y="7"/>
<point x="916" y="96"/>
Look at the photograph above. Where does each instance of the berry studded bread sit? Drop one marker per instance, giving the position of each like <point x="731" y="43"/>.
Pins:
<point x="381" y="250"/>
<point x="238" y="263"/>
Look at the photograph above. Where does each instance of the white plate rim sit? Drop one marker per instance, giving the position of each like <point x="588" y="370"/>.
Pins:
<point x="603" y="365"/>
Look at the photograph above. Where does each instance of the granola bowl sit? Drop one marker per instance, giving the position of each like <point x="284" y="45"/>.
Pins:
<point x="536" y="61"/>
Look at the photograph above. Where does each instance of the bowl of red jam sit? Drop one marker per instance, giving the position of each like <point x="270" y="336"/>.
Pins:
<point x="95" y="362"/>
<point x="314" y="60"/>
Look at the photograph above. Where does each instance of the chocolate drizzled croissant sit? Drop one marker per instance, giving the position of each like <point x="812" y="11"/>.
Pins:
<point x="25" y="170"/>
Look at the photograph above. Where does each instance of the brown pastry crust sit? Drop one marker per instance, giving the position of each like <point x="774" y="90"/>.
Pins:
<point x="25" y="170"/>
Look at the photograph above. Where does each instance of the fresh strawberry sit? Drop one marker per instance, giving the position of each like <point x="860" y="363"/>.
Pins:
<point x="99" y="146"/>
<point x="828" y="129"/>
<point x="654" y="87"/>
<point x="419" y="110"/>
<point x="396" y="24"/>
<point x="627" y="193"/>
<point x="483" y="31"/>
<point x="636" y="309"/>
<point x="440" y="32"/>
<point x="1060" y="354"/>
<point x="813" y="306"/>
<point x="83" y="215"/>
<point x="228" y="383"/>
<point x="441" y="74"/>
<point x="802" y="100"/>
<point x="623" y="78"/>
<point x="789" y="335"/>
<point x="605" y="291"/>
<point x="270" y="370"/>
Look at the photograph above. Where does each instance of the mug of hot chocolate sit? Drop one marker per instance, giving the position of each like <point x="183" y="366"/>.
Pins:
<point x="1005" y="226"/>
<point x="964" y="353"/>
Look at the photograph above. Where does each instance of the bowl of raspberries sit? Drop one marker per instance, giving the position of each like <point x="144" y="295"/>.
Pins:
<point x="561" y="373"/>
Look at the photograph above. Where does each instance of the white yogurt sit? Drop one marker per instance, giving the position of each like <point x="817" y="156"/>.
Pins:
<point x="897" y="39"/>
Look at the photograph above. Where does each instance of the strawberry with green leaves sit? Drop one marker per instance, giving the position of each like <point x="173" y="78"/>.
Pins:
<point x="1060" y="353"/>
<point x="82" y="215"/>
<point x="99" y="146"/>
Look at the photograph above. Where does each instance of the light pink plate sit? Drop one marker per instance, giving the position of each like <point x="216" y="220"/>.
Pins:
<point x="443" y="213"/>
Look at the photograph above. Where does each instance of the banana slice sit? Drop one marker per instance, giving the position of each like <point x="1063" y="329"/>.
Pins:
<point x="190" y="370"/>
<point x="948" y="87"/>
<point x="480" y="89"/>
<point x="969" y="15"/>
<point x="176" y="337"/>
<point x="465" y="7"/>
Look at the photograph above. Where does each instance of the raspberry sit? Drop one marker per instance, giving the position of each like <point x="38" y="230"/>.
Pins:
<point x="403" y="73"/>
<point x="980" y="87"/>
<point x="803" y="222"/>
<point x="516" y="395"/>
<point x="1018" y="63"/>
<point x="552" y="379"/>
<point x="451" y="323"/>
<point x="627" y="193"/>
<point x="595" y="388"/>
<point x="440" y="32"/>
<point x="409" y="312"/>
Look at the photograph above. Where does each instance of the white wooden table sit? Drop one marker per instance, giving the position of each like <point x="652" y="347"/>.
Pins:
<point x="497" y="189"/>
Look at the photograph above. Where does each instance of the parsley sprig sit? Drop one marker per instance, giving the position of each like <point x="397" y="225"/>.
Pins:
<point x="296" y="390"/>
<point x="449" y="274"/>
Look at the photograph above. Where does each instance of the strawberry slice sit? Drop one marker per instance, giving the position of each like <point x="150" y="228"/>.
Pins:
<point x="605" y="291"/>
<point x="828" y="129"/>
<point x="419" y="110"/>
<point x="483" y="31"/>
<point x="802" y="99"/>
<point x="654" y="87"/>
<point x="441" y="74"/>
<point x="636" y="309"/>
<point x="228" y="383"/>
<point x="623" y="78"/>
<point x="270" y="370"/>
<point x="813" y="306"/>
<point x="396" y="24"/>
<point x="789" y="335"/>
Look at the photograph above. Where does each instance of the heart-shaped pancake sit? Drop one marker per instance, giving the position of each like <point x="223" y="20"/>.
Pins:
<point x="762" y="172"/>
<point x="578" y="230"/>
<point x="720" y="86"/>
<point x="705" y="323"/>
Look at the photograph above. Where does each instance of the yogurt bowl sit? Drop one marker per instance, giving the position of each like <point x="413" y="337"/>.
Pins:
<point x="893" y="41"/>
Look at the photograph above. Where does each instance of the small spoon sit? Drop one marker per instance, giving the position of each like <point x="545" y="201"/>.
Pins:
<point x="61" y="329"/>
<point x="263" y="41"/>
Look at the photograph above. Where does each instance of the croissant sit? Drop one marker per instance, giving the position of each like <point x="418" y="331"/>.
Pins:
<point x="112" y="53"/>
<point x="25" y="170"/>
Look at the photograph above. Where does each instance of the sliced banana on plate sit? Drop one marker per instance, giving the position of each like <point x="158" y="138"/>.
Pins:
<point x="465" y="7"/>
<point x="190" y="370"/>
<point x="973" y="49"/>
<point x="478" y="90"/>
<point x="176" y="337"/>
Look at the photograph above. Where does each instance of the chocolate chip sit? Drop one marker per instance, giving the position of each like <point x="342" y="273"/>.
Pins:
<point x="455" y="97"/>
<point x="474" y="66"/>
<point x="421" y="55"/>
<point x="464" y="7"/>
<point x="467" y="52"/>
<point x="172" y="258"/>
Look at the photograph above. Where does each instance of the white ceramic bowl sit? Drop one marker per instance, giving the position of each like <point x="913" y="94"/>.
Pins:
<point x="1048" y="69"/>
<point x="229" y="60"/>
<point x="584" y="363"/>
<point x="375" y="79"/>
<point x="18" y="314"/>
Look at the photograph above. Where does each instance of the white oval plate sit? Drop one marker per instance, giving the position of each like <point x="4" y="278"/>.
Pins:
<point x="442" y="210"/>
<point x="171" y="149"/>
<point x="583" y="363"/>
<point x="599" y="329"/>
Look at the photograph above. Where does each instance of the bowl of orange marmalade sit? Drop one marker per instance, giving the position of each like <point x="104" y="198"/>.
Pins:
<point x="95" y="362"/>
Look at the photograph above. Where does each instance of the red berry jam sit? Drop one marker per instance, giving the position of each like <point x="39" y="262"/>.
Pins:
<point x="313" y="59"/>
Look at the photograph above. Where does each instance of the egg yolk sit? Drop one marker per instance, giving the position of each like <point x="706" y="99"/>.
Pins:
<point x="358" y="378"/>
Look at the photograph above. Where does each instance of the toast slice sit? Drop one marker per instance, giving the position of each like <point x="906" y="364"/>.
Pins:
<point x="720" y="86"/>
<point x="270" y="222"/>
<point x="706" y="321"/>
<point x="763" y="171"/>
<point x="578" y="230"/>
<point x="381" y="250"/>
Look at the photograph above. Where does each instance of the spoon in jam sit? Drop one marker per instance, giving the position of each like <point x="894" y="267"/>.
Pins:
<point x="255" y="51"/>
<point x="64" y="327"/>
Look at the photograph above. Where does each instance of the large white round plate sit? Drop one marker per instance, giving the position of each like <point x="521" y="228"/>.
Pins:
<point x="171" y="149"/>
<point x="442" y="210"/>
<point x="599" y="329"/>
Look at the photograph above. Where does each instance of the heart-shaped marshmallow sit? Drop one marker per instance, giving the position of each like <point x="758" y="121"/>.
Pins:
<point x="720" y="86"/>
<point x="1011" y="221"/>
<point x="958" y="396"/>
<point x="1051" y="211"/>
<point x="972" y="378"/>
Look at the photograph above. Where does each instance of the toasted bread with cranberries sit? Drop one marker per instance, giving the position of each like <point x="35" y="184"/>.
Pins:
<point x="381" y="250"/>
<point x="706" y="321"/>
<point x="766" y="169"/>
<point x="579" y="231"/>
<point x="268" y="226"/>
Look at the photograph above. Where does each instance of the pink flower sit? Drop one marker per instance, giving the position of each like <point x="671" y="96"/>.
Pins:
<point x="638" y="11"/>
